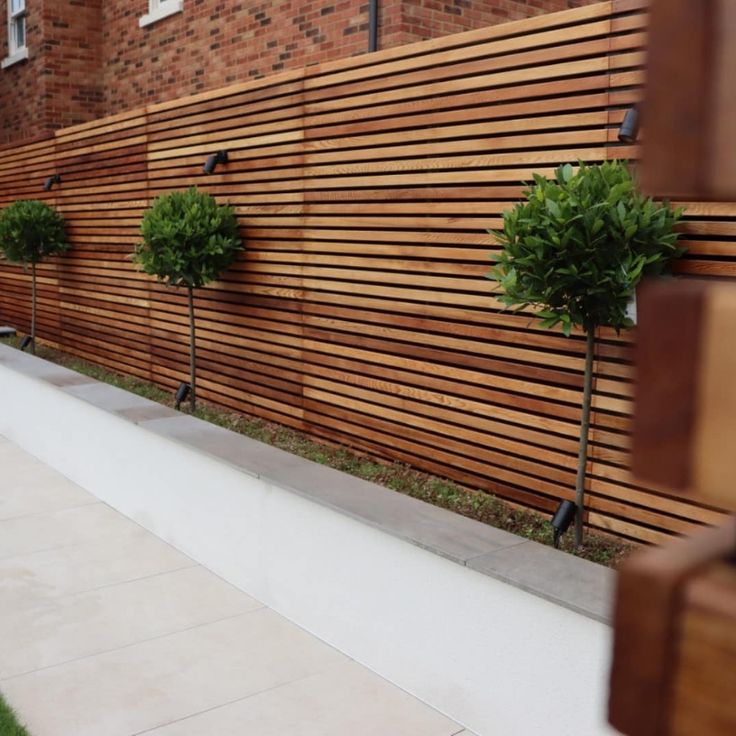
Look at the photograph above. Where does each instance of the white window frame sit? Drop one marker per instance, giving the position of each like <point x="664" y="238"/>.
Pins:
<point x="16" y="53"/>
<point x="158" y="10"/>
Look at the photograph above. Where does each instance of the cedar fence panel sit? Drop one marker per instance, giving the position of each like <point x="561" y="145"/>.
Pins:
<point x="359" y="311"/>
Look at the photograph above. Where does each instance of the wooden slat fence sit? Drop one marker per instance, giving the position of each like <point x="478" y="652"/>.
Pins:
<point x="359" y="311"/>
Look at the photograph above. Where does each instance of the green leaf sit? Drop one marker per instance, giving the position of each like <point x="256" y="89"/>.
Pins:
<point x="31" y="231"/>
<point x="188" y="239"/>
<point x="578" y="244"/>
<point x="553" y="207"/>
<point x="550" y="322"/>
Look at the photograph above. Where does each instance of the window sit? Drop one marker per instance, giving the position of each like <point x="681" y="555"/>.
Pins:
<point x="17" y="18"/>
<point x="17" y="50"/>
<point x="159" y="9"/>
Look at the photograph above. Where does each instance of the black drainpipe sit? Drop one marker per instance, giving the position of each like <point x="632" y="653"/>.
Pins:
<point x="373" y="26"/>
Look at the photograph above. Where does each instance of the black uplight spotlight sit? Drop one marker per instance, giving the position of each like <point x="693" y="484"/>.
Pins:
<point x="27" y="342"/>
<point x="629" y="130"/>
<point x="50" y="181"/>
<point x="563" y="518"/>
<point x="212" y="161"/>
<point x="181" y="394"/>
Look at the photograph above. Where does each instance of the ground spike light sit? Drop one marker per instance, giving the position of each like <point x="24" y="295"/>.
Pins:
<point x="50" y="181"/>
<point x="629" y="130"/>
<point x="212" y="161"/>
<point x="181" y="394"/>
<point x="563" y="518"/>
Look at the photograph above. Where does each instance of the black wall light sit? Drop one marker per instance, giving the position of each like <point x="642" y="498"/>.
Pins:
<point x="50" y="181"/>
<point x="629" y="130"/>
<point x="212" y="161"/>
<point x="181" y="394"/>
<point x="563" y="518"/>
<point x="27" y="342"/>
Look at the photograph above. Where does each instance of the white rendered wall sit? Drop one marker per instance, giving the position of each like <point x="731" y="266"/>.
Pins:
<point x="501" y="661"/>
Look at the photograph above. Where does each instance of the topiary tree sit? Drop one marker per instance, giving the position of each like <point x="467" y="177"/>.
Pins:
<point x="29" y="232"/>
<point x="577" y="247"/>
<point x="188" y="241"/>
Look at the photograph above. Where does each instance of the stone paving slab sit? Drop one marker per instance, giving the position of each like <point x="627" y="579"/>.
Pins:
<point x="56" y="630"/>
<point x="28" y="580"/>
<point x="105" y="630"/>
<point x="89" y="523"/>
<point x="346" y="699"/>
<point x="31" y="487"/>
<point x="583" y="586"/>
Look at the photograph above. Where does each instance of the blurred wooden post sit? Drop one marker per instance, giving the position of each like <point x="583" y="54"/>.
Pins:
<point x="669" y="661"/>
<point x="674" y="660"/>
<point x="689" y="114"/>
<point x="685" y="416"/>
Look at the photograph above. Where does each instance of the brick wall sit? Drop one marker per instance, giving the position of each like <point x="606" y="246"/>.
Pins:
<point x="419" y="20"/>
<point x="90" y="58"/>
<point x="59" y="85"/>
<point x="22" y="101"/>
<point x="214" y="43"/>
<point x="72" y="51"/>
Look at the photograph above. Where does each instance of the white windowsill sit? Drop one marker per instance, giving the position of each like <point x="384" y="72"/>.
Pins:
<point x="14" y="58"/>
<point x="163" y="11"/>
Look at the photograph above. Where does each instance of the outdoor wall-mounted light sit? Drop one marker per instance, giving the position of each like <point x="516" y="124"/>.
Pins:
<point x="212" y="161"/>
<point x="50" y="181"/>
<point x="27" y="342"/>
<point x="181" y="394"/>
<point x="629" y="130"/>
<point x="563" y="518"/>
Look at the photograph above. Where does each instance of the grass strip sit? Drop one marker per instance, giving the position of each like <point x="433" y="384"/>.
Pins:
<point x="9" y="725"/>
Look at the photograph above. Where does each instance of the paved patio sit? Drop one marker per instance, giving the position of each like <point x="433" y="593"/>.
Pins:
<point x="106" y="630"/>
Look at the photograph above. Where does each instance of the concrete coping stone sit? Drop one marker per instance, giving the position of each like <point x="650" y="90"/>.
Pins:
<point x="579" y="585"/>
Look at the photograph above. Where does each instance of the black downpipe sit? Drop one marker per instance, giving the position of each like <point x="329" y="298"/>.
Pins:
<point x="373" y="26"/>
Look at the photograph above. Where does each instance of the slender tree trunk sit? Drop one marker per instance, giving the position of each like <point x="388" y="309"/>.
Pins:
<point x="33" y="308"/>
<point x="192" y="354"/>
<point x="584" y="432"/>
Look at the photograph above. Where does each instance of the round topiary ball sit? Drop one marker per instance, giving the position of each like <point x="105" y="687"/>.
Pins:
<point x="30" y="231"/>
<point x="188" y="239"/>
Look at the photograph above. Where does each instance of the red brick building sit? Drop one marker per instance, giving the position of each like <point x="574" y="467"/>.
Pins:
<point x="69" y="61"/>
